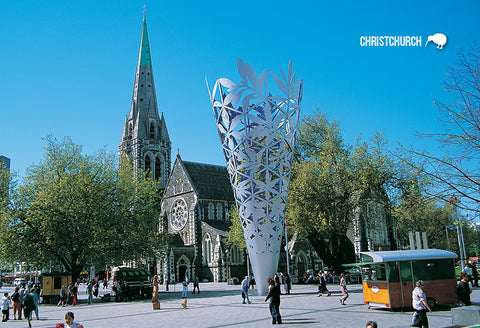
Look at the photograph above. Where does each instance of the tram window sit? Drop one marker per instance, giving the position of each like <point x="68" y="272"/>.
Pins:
<point x="379" y="272"/>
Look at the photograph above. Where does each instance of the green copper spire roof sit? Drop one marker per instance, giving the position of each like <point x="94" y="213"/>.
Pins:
<point x="144" y="55"/>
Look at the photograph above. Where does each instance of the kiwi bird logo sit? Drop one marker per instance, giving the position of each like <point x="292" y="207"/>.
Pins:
<point x="439" y="39"/>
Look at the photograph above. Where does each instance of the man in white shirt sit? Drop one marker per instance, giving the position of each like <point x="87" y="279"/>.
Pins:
<point x="419" y="303"/>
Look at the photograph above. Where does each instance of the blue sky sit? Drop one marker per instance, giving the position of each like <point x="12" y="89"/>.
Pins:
<point x="67" y="68"/>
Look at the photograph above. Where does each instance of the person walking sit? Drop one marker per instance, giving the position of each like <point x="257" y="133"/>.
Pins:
<point x="34" y="295"/>
<point x="17" y="304"/>
<point x="245" y="286"/>
<point x="28" y="307"/>
<point x="420" y="305"/>
<point x="63" y="297"/>
<point x="463" y="290"/>
<point x="195" y="284"/>
<point x="185" y="287"/>
<point x="343" y="287"/>
<point x="322" y="287"/>
<point x="274" y="296"/>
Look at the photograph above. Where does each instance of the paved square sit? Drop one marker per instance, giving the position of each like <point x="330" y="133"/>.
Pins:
<point x="220" y="305"/>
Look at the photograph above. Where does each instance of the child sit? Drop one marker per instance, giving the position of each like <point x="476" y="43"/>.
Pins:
<point x="5" y="307"/>
<point x="69" y="321"/>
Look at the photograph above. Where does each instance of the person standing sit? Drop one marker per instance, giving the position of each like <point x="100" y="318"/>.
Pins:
<point x="195" y="284"/>
<point x="343" y="287"/>
<point x="468" y="270"/>
<point x="420" y="305"/>
<point x="17" y="307"/>
<point x="322" y="288"/>
<point x="274" y="296"/>
<point x="75" y="294"/>
<point x="463" y="290"/>
<point x="95" y="289"/>
<point x="287" y="283"/>
<point x="245" y="286"/>
<point x="69" y="293"/>
<point x="5" y="307"/>
<point x="90" y="293"/>
<point x="473" y="266"/>
<point x="185" y="287"/>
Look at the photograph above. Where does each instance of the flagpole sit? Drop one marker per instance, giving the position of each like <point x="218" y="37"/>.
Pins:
<point x="286" y="249"/>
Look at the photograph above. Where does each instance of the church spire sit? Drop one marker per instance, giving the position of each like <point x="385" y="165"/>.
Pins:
<point x="144" y="55"/>
<point x="145" y="137"/>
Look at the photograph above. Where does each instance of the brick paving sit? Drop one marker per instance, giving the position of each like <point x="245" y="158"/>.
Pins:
<point x="220" y="305"/>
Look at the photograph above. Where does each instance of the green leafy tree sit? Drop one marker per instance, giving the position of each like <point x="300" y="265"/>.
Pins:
<point x="74" y="210"/>
<point x="235" y="235"/>
<point x="323" y="193"/>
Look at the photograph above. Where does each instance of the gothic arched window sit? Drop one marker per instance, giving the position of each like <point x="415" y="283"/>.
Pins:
<point x="219" y="212"/>
<point x="211" y="210"/>
<point x="235" y="255"/>
<point x="147" y="165"/>
<point x="207" y="249"/>
<point x="157" y="169"/>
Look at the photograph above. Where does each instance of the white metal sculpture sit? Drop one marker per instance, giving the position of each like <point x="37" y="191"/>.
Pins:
<point x="257" y="131"/>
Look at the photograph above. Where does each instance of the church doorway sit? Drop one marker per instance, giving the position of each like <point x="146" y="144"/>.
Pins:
<point x="182" y="269"/>
<point x="301" y="264"/>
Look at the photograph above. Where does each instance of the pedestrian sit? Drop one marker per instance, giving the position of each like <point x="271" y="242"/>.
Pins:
<point x="420" y="305"/>
<point x="90" y="293"/>
<point x="343" y="287"/>
<point x="473" y="266"/>
<point x="95" y="289"/>
<point x="75" y="294"/>
<point x="287" y="283"/>
<point x="372" y="324"/>
<point x="63" y="297"/>
<point x="28" y="307"/>
<point x="70" y="293"/>
<point x="70" y="321"/>
<point x="251" y="281"/>
<point x="195" y="284"/>
<point x="5" y="305"/>
<point x="17" y="304"/>
<point x="274" y="296"/>
<point x="463" y="290"/>
<point x="245" y="286"/>
<point x="185" y="287"/>
<point x="468" y="270"/>
<point x="322" y="287"/>
<point x="34" y="294"/>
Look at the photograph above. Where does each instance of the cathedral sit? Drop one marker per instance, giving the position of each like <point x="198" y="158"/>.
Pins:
<point x="197" y="198"/>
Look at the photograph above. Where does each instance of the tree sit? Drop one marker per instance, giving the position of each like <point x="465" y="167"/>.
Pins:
<point x="323" y="193"/>
<point x="74" y="210"/>
<point x="456" y="172"/>
<point x="235" y="235"/>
